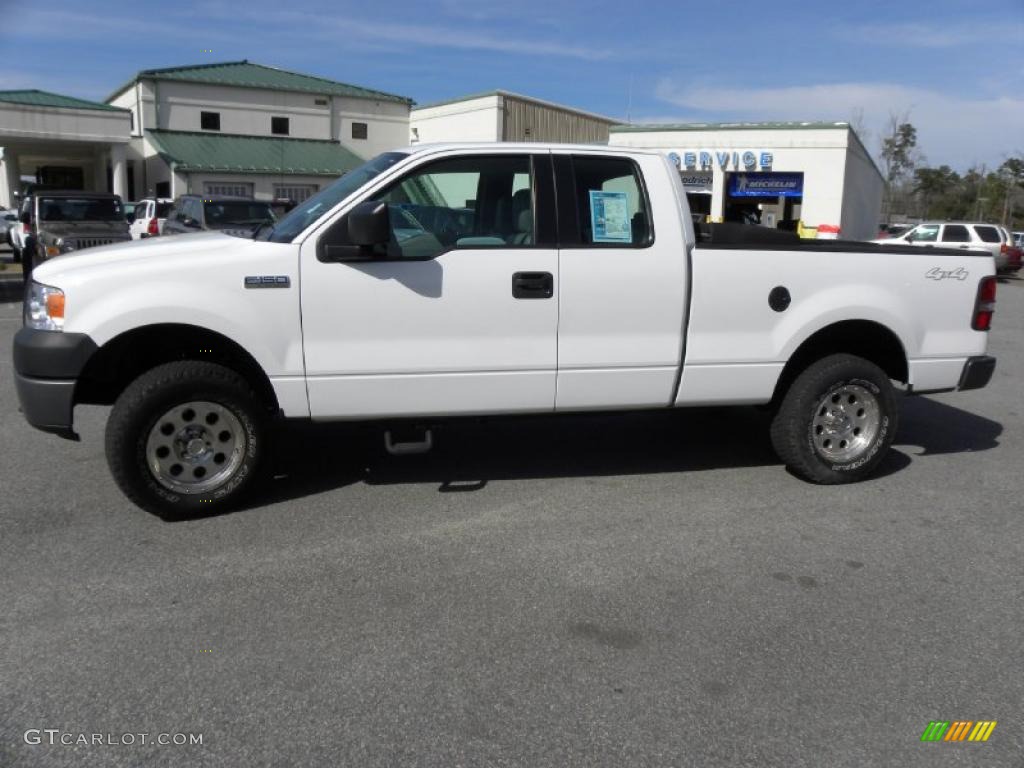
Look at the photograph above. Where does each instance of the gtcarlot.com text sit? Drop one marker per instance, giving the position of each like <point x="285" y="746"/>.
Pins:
<point x="55" y="736"/>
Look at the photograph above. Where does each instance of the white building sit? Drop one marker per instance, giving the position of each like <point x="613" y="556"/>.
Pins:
<point x="505" y="116"/>
<point x="61" y="141"/>
<point x="817" y="177"/>
<point x="241" y="128"/>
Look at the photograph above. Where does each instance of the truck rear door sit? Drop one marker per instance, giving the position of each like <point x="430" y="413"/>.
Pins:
<point x="623" y="287"/>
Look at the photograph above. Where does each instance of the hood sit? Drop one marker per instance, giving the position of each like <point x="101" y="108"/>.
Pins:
<point x="153" y="254"/>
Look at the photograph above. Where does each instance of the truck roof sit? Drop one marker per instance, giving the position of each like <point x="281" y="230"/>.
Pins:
<point x="531" y="146"/>
<point x="75" y="193"/>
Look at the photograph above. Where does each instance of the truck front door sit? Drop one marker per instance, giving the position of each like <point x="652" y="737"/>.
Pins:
<point x="457" y="314"/>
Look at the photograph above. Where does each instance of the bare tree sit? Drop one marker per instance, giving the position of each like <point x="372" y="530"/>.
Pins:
<point x="899" y="155"/>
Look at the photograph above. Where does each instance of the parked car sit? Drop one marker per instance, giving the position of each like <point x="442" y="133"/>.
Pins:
<point x="234" y="215"/>
<point x="62" y="222"/>
<point x="19" y="234"/>
<point x="1018" y="239"/>
<point x="572" y="281"/>
<point x="149" y="217"/>
<point x="963" y="235"/>
<point x="8" y="219"/>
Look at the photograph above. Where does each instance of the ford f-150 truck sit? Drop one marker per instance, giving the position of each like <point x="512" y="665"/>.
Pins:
<point x="457" y="280"/>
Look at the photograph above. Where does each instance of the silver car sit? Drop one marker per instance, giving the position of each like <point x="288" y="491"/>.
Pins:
<point x="966" y="235"/>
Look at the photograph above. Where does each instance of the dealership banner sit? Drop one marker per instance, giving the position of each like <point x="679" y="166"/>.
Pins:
<point x="766" y="185"/>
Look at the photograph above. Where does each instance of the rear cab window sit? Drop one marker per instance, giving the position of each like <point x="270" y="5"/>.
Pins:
<point x="611" y="203"/>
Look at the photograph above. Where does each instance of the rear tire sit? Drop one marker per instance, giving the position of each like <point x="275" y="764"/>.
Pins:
<point x="186" y="438"/>
<point x="837" y="420"/>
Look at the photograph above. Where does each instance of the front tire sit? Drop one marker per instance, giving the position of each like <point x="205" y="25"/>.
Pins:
<point x="837" y="420"/>
<point x="186" y="438"/>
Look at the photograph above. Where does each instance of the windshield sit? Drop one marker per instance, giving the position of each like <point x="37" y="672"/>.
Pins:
<point x="324" y="200"/>
<point x="80" y="209"/>
<point x="162" y="209"/>
<point x="245" y="212"/>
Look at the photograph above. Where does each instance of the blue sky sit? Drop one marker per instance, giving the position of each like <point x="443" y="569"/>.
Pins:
<point x="957" y="68"/>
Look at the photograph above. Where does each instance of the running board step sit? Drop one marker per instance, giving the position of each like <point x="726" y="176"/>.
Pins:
<point x="409" y="446"/>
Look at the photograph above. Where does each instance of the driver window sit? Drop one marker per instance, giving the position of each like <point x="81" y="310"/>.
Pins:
<point x="465" y="202"/>
<point x="924" y="234"/>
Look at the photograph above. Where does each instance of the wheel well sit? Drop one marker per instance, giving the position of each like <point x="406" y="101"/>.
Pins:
<point x="863" y="338"/>
<point x="124" y="358"/>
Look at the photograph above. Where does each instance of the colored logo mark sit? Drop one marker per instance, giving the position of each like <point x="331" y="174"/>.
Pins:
<point x="958" y="730"/>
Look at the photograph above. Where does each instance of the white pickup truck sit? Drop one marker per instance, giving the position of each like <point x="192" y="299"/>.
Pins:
<point x="457" y="280"/>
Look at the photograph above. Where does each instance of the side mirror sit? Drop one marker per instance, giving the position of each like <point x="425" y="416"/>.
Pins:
<point x="368" y="224"/>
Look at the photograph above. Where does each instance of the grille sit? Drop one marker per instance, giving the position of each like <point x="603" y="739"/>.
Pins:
<point x="92" y="242"/>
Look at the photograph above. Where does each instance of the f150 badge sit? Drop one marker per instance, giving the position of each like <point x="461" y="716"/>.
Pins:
<point x="946" y="274"/>
<point x="267" y="281"/>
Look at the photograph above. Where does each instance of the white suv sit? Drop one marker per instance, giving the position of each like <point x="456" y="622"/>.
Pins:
<point x="149" y="217"/>
<point x="965" y="235"/>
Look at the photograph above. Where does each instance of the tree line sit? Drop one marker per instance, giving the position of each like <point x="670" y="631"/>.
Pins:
<point x="914" y="190"/>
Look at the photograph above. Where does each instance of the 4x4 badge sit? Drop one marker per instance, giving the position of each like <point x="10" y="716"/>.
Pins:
<point x="943" y="274"/>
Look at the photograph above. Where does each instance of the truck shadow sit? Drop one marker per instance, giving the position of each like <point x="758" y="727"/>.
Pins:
<point x="316" y="458"/>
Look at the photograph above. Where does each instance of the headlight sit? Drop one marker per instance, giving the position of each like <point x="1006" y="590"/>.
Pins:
<point x="65" y="246"/>
<point x="44" y="308"/>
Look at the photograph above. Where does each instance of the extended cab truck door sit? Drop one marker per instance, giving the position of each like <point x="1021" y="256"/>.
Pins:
<point x="623" y="291"/>
<point x="458" y="314"/>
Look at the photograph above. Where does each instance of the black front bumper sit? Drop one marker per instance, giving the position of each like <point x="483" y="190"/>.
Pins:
<point x="47" y="365"/>
<point x="977" y="372"/>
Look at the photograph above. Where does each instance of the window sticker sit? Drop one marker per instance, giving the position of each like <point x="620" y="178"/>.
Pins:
<point x="609" y="217"/>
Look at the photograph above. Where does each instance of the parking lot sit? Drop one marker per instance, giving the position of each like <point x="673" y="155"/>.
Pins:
<point x="625" y="590"/>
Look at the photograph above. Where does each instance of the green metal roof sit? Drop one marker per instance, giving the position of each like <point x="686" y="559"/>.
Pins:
<point x="228" y="153"/>
<point x="790" y="126"/>
<point x="245" y="74"/>
<point x="36" y="98"/>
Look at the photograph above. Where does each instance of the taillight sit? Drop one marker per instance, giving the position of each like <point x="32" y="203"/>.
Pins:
<point x="153" y="228"/>
<point x="985" y="304"/>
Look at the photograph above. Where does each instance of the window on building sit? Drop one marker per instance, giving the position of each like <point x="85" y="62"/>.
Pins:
<point x="360" y="130"/>
<point x="297" y="193"/>
<point x="209" y="121"/>
<point x="228" y="189"/>
<point x="279" y="126"/>
<point x="478" y="202"/>
<point x="611" y="203"/>
<point x="955" y="233"/>
<point x="131" y="118"/>
<point x="163" y="189"/>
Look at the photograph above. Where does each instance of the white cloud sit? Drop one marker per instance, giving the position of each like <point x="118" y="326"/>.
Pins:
<point x="922" y="35"/>
<point x="954" y="130"/>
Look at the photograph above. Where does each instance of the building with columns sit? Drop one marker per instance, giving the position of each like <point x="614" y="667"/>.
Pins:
<point x="245" y="129"/>
<point x="62" y="141"/>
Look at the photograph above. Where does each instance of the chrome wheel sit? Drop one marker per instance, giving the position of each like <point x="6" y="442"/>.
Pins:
<point x="845" y="423"/>
<point x="195" y="447"/>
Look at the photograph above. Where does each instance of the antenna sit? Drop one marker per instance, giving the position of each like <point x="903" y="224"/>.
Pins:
<point x="629" y="100"/>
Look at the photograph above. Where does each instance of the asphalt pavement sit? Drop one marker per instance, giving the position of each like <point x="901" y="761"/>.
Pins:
<point x="631" y="590"/>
